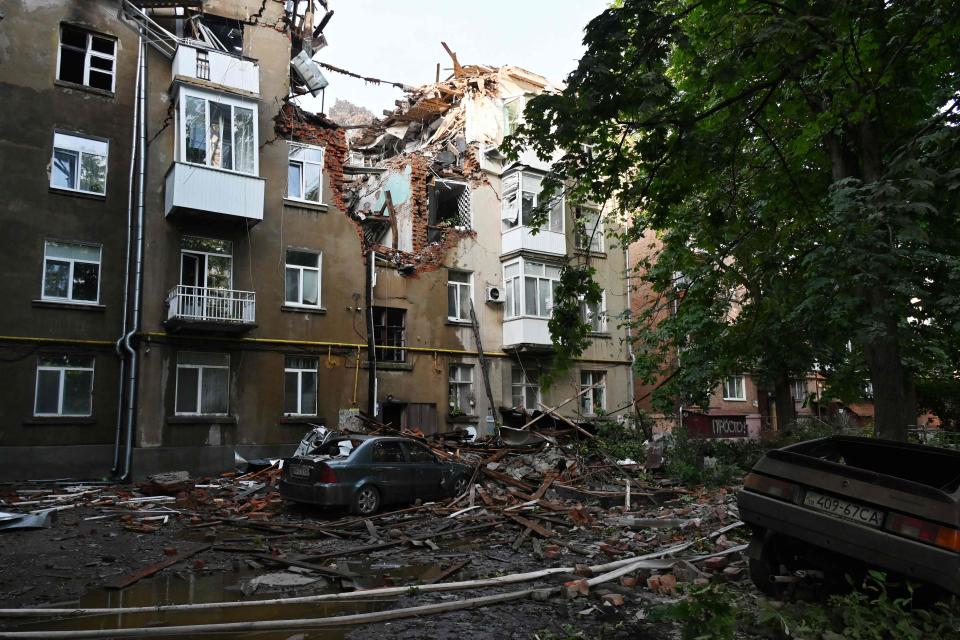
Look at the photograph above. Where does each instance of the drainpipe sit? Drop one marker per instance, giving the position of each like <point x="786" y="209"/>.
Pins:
<point x="118" y="347"/>
<point x="628" y="280"/>
<point x="138" y="276"/>
<point x="371" y="347"/>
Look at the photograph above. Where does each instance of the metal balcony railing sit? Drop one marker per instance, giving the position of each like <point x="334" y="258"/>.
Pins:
<point x="204" y="304"/>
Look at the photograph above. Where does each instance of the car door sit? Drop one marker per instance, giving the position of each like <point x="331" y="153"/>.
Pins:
<point x="427" y="471"/>
<point x="391" y="472"/>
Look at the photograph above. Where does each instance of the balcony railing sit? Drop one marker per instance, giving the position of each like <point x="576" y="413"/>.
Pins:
<point x="206" y="305"/>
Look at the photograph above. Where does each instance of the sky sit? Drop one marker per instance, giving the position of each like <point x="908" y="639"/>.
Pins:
<point x="400" y="41"/>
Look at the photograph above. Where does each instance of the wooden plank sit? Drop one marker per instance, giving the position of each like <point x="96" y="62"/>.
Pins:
<point x="510" y="480"/>
<point x="547" y="481"/>
<point x="537" y="528"/>
<point x="127" y="580"/>
<point x="449" y="571"/>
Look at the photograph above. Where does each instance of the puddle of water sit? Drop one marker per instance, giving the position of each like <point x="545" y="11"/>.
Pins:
<point x="191" y="588"/>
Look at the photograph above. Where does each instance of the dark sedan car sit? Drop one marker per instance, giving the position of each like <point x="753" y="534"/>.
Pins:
<point x="365" y="472"/>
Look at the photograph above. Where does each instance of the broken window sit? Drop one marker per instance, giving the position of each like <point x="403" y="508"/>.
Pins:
<point x="520" y="199"/>
<point x="302" y="278"/>
<point x="305" y="173"/>
<point x="300" y="386"/>
<point x="449" y="206"/>
<point x="203" y="383"/>
<point x="512" y="114"/>
<point x="525" y="387"/>
<point x="459" y="295"/>
<point x="86" y="58"/>
<point x="218" y="132"/>
<point x="64" y="385"/>
<point x="595" y="314"/>
<point x="588" y="232"/>
<point x="79" y="163"/>
<point x="734" y="388"/>
<point x="71" y="272"/>
<point x="389" y="331"/>
<point x="222" y="33"/>
<point x="593" y="402"/>
<point x="461" y="389"/>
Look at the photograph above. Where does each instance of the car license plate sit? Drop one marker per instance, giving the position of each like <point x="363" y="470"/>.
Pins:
<point x="300" y="470"/>
<point x="844" y="509"/>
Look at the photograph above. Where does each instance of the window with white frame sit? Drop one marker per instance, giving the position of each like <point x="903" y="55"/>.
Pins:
<point x="302" y="278"/>
<point x="521" y="196"/>
<point x="300" y="386"/>
<point x="798" y="390"/>
<point x="593" y="387"/>
<point x="448" y="205"/>
<point x="734" y="388"/>
<point x="79" y="163"/>
<point x="459" y="295"/>
<point x="64" y="385"/>
<point x="462" y="398"/>
<point x="87" y="58"/>
<point x="218" y="131"/>
<point x="512" y="113"/>
<point x="595" y="314"/>
<point x="525" y="388"/>
<point x="71" y="272"/>
<point x="530" y="288"/>
<point x="589" y="228"/>
<point x="203" y="383"/>
<point x="305" y="173"/>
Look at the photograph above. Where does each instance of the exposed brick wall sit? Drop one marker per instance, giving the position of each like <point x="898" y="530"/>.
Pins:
<point x="295" y="124"/>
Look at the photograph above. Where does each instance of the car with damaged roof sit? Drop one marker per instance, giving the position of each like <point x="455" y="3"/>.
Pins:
<point x="839" y="505"/>
<point x="365" y="472"/>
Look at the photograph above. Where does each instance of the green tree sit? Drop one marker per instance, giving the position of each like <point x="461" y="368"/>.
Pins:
<point x="798" y="161"/>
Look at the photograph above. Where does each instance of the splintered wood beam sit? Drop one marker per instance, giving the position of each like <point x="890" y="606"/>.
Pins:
<point x="457" y="69"/>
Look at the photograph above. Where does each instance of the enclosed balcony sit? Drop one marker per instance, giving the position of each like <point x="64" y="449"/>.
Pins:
<point x="208" y="309"/>
<point x="219" y="69"/>
<point x="520" y="204"/>
<point x="526" y="334"/>
<point x="520" y="239"/>
<point x="194" y="190"/>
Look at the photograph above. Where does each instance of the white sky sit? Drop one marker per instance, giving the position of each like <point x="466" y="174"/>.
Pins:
<point x="399" y="40"/>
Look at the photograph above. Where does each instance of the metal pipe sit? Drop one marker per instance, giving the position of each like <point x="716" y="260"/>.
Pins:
<point x="371" y="339"/>
<point x="138" y="275"/>
<point x="118" y="347"/>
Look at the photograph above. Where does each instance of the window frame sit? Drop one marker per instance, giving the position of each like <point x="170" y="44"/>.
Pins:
<point x="299" y="371"/>
<point x="456" y="383"/>
<point x="291" y="145"/>
<point x="512" y="202"/>
<point x="62" y="371"/>
<point x="300" y="269"/>
<point x="515" y="288"/>
<point x="69" y="299"/>
<point x="595" y="377"/>
<point x="580" y="238"/>
<point x="79" y="154"/>
<point x="464" y="315"/>
<point x="526" y="382"/>
<point x="199" y="398"/>
<point x="233" y="103"/>
<point x="743" y="388"/>
<point x="88" y="52"/>
<point x="398" y="355"/>
<point x="601" y="313"/>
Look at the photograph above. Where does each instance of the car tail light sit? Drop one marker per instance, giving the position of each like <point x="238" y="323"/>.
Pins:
<point x="771" y="486"/>
<point x="325" y="473"/>
<point x="924" y="531"/>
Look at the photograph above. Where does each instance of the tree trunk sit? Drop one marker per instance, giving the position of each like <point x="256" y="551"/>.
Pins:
<point x="894" y="397"/>
<point x="786" y="411"/>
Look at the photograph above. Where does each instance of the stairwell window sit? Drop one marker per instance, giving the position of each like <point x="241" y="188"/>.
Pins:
<point x="734" y="388"/>
<point x="300" y="386"/>
<point x="79" y="163"/>
<point x="203" y="384"/>
<point x="302" y="278"/>
<point x="461" y="389"/>
<point x="589" y="229"/>
<point x="595" y="314"/>
<point x="459" y="295"/>
<point x="71" y="272"/>
<point x="218" y="131"/>
<point x="305" y="173"/>
<point x="389" y="331"/>
<point x="87" y="58"/>
<point x="525" y="386"/>
<point x="593" y="385"/>
<point x="64" y="386"/>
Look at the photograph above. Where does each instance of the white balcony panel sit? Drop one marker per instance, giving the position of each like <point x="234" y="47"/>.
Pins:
<point x="519" y="331"/>
<point x="522" y="239"/>
<point x="221" y="68"/>
<point x="203" y="304"/>
<point x="200" y="188"/>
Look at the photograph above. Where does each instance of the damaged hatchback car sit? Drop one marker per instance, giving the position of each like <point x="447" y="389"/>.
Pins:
<point x="366" y="472"/>
<point x="840" y="504"/>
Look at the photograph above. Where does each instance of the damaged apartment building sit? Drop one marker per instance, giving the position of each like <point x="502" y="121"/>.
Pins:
<point x="187" y="252"/>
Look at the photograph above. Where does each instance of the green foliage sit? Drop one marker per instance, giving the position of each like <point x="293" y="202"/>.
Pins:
<point x="869" y="613"/>
<point x="708" y="613"/>
<point x="619" y="441"/>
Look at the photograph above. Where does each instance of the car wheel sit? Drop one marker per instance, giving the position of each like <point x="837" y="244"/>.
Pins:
<point x="460" y="486"/>
<point x="366" y="502"/>
<point x="764" y="564"/>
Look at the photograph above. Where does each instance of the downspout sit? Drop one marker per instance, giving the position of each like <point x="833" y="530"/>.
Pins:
<point x="371" y="346"/>
<point x="118" y="347"/>
<point x="138" y="276"/>
<point x="629" y="282"/>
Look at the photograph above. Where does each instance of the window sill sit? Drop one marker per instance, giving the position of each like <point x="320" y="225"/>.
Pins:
<point x="301" y="420"/>
<point x="306" y="204"/>
<point x="459" y="323"/>
<point x="599" y="334"/>
<point x="60" y="420"/>
<point x="202" y="419"/>
<point x="391" y="366"/>
<point x="82" y="87"/>
<point x="77" y="194"/>
<point x="734" y="399"/>
<point x="592" y="253"/>
<point x="292" y="308"/>
<point x="74" y="306"/>
<point x="463" y="419"/>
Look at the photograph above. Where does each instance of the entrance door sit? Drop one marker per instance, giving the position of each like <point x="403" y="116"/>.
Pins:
<point x="421" y="416"/>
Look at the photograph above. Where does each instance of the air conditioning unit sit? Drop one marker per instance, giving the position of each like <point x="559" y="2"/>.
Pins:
<point x="494" y="295"/>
